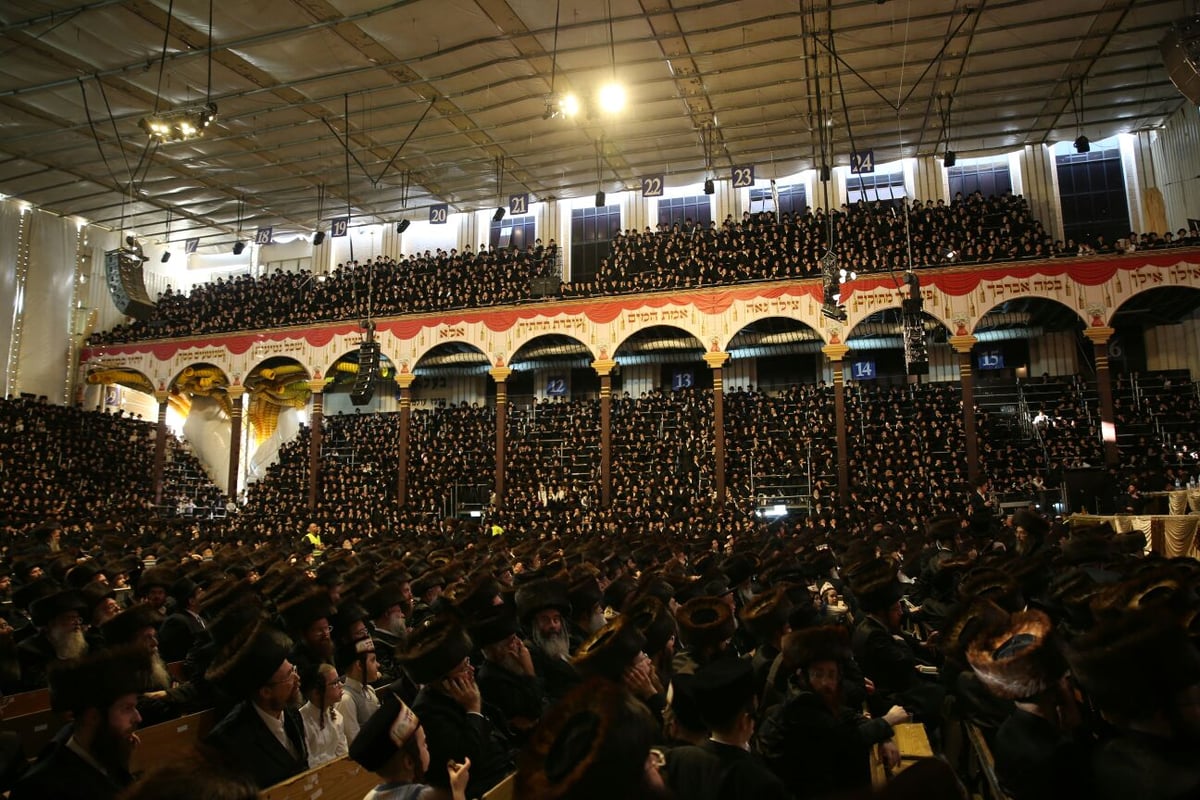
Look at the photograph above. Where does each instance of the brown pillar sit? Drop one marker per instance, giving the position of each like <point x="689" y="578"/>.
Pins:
<point x="836" y="353"/>
<point x="404" y="380"/>
<point x="715" y="359"/>
<point x="966" y="376"/>
<point x="317" y="386"/>
<point x="604" y="368"/>
<point x="500" y="375"/>
<point x="160" y="446"/>
<point x="1108" y="426"/>
<point x="235" y="394"/>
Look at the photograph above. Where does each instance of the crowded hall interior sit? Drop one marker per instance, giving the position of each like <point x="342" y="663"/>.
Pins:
<point x="523" y="399"/>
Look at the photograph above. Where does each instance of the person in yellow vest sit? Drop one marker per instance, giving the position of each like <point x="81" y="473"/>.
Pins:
<point x="313" y="537"/>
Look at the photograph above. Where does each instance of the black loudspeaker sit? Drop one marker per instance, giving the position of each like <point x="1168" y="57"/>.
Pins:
<point x="318" y="238"/>
<point x="709" y="186"/>
<point x="825" y="173"/>
<point x="123" y="270"/>
<point x="1181" y="56"/>
<point x="402" y="226"/>
<point x="499" y="215"/>
<point x="951" y="158"/>
<point x="600" y="199"/>
<point x="238" y="247"/>
<point x="368" y="371"/>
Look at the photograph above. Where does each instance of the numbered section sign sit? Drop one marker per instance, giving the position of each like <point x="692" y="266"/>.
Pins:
<point x="339" y="226"/>
<point x="263" y="235"/>
<point x="862" y="162"/>
<point x="439" y="214"/>
<point x="556" y="386"/>
<point x="652" y="185"/>
<point x="518" y="204"/>
<point x="191" y="245"/>
<point x="743" y="177"/>
<point x="683" y="379"/>
<point x="863" y="370"/>
<point x="991" y="359"/>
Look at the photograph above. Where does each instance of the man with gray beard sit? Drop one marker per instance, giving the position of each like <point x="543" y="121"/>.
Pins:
<point x="59" y="619"/>
<point x="506" y="678"/>
<point x="543" y="608"/>
<point x="137" y="627"/>
<point x="389" y="626"/>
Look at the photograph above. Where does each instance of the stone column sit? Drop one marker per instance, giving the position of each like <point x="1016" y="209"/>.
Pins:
<point x="317" y="387"/>
<point x="715" y="359"/>
<point x="604" y="368"/>
<point x="235" y="394"/>
<point x="500" y="375"/>
<point x="966" y="375"/>
<point x="160" y="445"/>
<point x="836" y="353"/>
<point x="1108" y="426"/>
<point x="404" y="380"/>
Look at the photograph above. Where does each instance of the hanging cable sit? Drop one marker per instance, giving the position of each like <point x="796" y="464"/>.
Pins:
<point x="162" y="59"/>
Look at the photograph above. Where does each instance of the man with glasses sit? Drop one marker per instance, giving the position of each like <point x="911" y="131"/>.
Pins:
<point x="263" y="735"/>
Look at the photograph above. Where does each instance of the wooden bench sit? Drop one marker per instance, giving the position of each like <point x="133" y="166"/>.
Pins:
<point x="502" y="790"/>
<point x="19" y="705"/>
<point x="340" y="779"/>
<point x="36" y="729"/>
<point x="986" y="764"/>
<point x="169" y="739"/>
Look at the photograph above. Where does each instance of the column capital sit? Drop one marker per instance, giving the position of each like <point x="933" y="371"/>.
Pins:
<point x="499" y="374"/>
<point x="235" y="392"/>
<point x="317" y="386"/>
<point x="405" y="379"/>
<point x="836" y="352"/>
<point x="1099" y="335"/>
<point x="604" y="366"/>
<point x="963" y="344"/>
<point x="162" y="396"/>
<point x="715" y="359"/>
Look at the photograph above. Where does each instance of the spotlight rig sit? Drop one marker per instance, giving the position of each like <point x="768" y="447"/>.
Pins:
<point x="179" y="124"/>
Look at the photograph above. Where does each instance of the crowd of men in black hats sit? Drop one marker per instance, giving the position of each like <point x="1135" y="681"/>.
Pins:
<point x="769" y="666"/>
<point x="869" y="237"/>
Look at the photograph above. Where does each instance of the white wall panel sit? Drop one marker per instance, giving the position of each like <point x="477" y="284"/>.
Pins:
<point x="1174" y="347"/>
<point x="740" y="372"/>
<point x="1054" y="353"/>
<point x="207" y="430"/>
<point x="49" y="286"/>
<point x="639" y="378"/>
<point x="943" y="364"/>
<point x="1176" y="149"/>
<point x="10" y="222"/>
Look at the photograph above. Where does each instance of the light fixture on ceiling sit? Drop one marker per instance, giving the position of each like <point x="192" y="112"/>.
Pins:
<point x="611" y="98"/>
<point x="180" y="124"/>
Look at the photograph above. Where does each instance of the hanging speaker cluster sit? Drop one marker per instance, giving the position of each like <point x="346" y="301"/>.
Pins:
<point x="368" y="371"/>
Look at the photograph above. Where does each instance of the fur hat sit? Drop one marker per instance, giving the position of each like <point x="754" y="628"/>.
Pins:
<point x="584" y="593"/>
<point x="45" y="609"/>
<point x="995" y="585"/>
<point x="429" y="580"/>
<point x="610" y="650"/>
<point x="1033" y="523"/>
<point x="301" y="612"/>
<point x="739" y="568"/>
<point x="767" y="614"/>
<point x="382" y="736"/>
<point x="875" y="586"/>
<point x="1019" y="660"/>
<point x="474" y="596"/>
<point x="82" y="574"/>
<point x="971" y="620"/>
<point x="99" y="679"/>
<point x="591" y="745"/>
<point x="540" y="595"/>
<point x="704" y="622"/>
<point x="824" y="643"/>
<point x="152" y="577"/>
<point x="655" y="622"/>
<point x="434" y="649"/>
<point x="1134" y="662"/>
<point x="943" y="529"/>
<point x="125" y="627"/>
<point x="245" y="663"/>
<point x="182" y="590"/>
<point x="378" y="601"/>
<point x="493" y="626"/>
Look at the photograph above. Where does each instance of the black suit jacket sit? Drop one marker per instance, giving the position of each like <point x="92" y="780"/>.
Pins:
<point x="63" y="775"/>
<point x="177" y="634"/>
<point x="714" y="771"/>
<point x="452" y="733"/>
<point x="245" y="739"/>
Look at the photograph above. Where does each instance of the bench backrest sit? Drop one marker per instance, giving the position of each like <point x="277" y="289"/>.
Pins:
<point x="340" y="779"/>
<point x="171" y="739"/>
